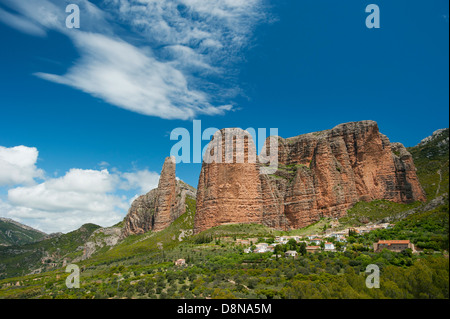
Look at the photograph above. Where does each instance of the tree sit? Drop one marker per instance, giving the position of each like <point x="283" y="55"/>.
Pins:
<point x="301" y="249"/>
<point x="278" y="250"/>
<point x="339" y="246"/>
<point x="291" y="244"/>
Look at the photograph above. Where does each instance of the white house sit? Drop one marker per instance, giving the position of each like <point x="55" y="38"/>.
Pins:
<point x="291" y="253"/>
<point x="329" y="247"/>
<point x="261" y="248"/>
<point x="341" y="239"/>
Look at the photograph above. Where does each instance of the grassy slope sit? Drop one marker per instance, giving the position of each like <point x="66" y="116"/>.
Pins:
<point x="147" y="244"/>
<point x="432" y="162"/>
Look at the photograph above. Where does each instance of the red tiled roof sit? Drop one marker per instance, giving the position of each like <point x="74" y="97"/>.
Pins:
<point x="390" y="242"/>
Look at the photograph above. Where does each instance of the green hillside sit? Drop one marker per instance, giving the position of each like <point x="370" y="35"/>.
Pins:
<point x="432" y="161"/>
<point x="14" y="233"/>
<point x="219" y="269"/>
<point x="43" y="255"/>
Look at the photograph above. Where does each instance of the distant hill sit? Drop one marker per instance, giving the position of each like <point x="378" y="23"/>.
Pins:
<point x="44" y="255"/>
<point x="15" y="233"/>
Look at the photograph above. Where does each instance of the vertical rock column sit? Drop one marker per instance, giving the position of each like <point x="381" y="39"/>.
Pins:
<point x="229" y="192"/>
<point x="166" y="196"/>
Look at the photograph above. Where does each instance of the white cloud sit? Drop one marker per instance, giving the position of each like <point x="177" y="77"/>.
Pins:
<point x="143" y="180"/>
<point x="62" y="204"/>
<point x="18" y="165"/>
<point x="85" y="181"/>
<point x="65" y="203"/>
<point x="51" y="222"/>
<point x="173" y="59"/>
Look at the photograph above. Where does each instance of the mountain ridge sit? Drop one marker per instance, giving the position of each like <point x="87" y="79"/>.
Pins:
<point x="12" y="233"/>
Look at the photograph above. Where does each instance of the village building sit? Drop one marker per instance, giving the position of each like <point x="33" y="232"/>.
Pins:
<point x="291" y="253"/>
<point x="363" y="230"/>
<point x="312" y="249"/>
<point x="393" y="245"/>
<point x="316" y="241"/>
<point x="340" y="239"/>
<point x="329" y="247"/>
<point x="261" y="248"/>
<point x="180" y="262"/>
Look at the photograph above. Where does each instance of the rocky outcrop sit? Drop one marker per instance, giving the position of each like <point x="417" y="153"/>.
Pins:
<point x="139" y="219"/>
<point x="160" y="207"/>
<point x="319" y="174"/>
<point x="103" y="237"/>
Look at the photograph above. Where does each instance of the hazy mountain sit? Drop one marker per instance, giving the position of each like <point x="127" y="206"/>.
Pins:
<point x="15" y="233"/>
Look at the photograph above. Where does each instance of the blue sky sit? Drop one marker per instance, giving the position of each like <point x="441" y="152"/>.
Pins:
<point x="97" y="104"/>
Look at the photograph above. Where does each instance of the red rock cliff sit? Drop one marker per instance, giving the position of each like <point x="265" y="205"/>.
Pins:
<point x="160" y="207"/>
<point x="320" y="174"/>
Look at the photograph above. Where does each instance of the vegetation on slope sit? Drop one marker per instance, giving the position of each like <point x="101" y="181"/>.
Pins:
<point x="432" y="162"/>
<point x="21" y="260"/>
<point x="12" y="233"/>
<point x="220" y="269"/>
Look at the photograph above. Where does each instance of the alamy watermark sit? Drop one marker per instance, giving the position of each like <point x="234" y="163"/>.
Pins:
<point x="373" y="279"/>
<point x="373" y="19"/>
<point x="73" y="19"/>
<point x="73" y="280"/>
<point x="230" y="145"/>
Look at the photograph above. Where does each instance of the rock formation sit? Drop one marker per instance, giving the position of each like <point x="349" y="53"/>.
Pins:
<point x="102" y="237"/>
<point x="228" y="192"/>
<point x="160" y="207"/>
<point x="319" y="174"/>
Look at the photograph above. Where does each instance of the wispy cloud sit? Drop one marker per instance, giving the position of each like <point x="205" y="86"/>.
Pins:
<point x="173" y="59"/>
<point x="22" y="24"/>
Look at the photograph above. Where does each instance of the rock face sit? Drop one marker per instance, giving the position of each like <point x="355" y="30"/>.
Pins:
<point x="100" y="238"/>
<point x="228" y="192"/>
<point x="319" y="174"/>
<point x="160" y="207"/>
